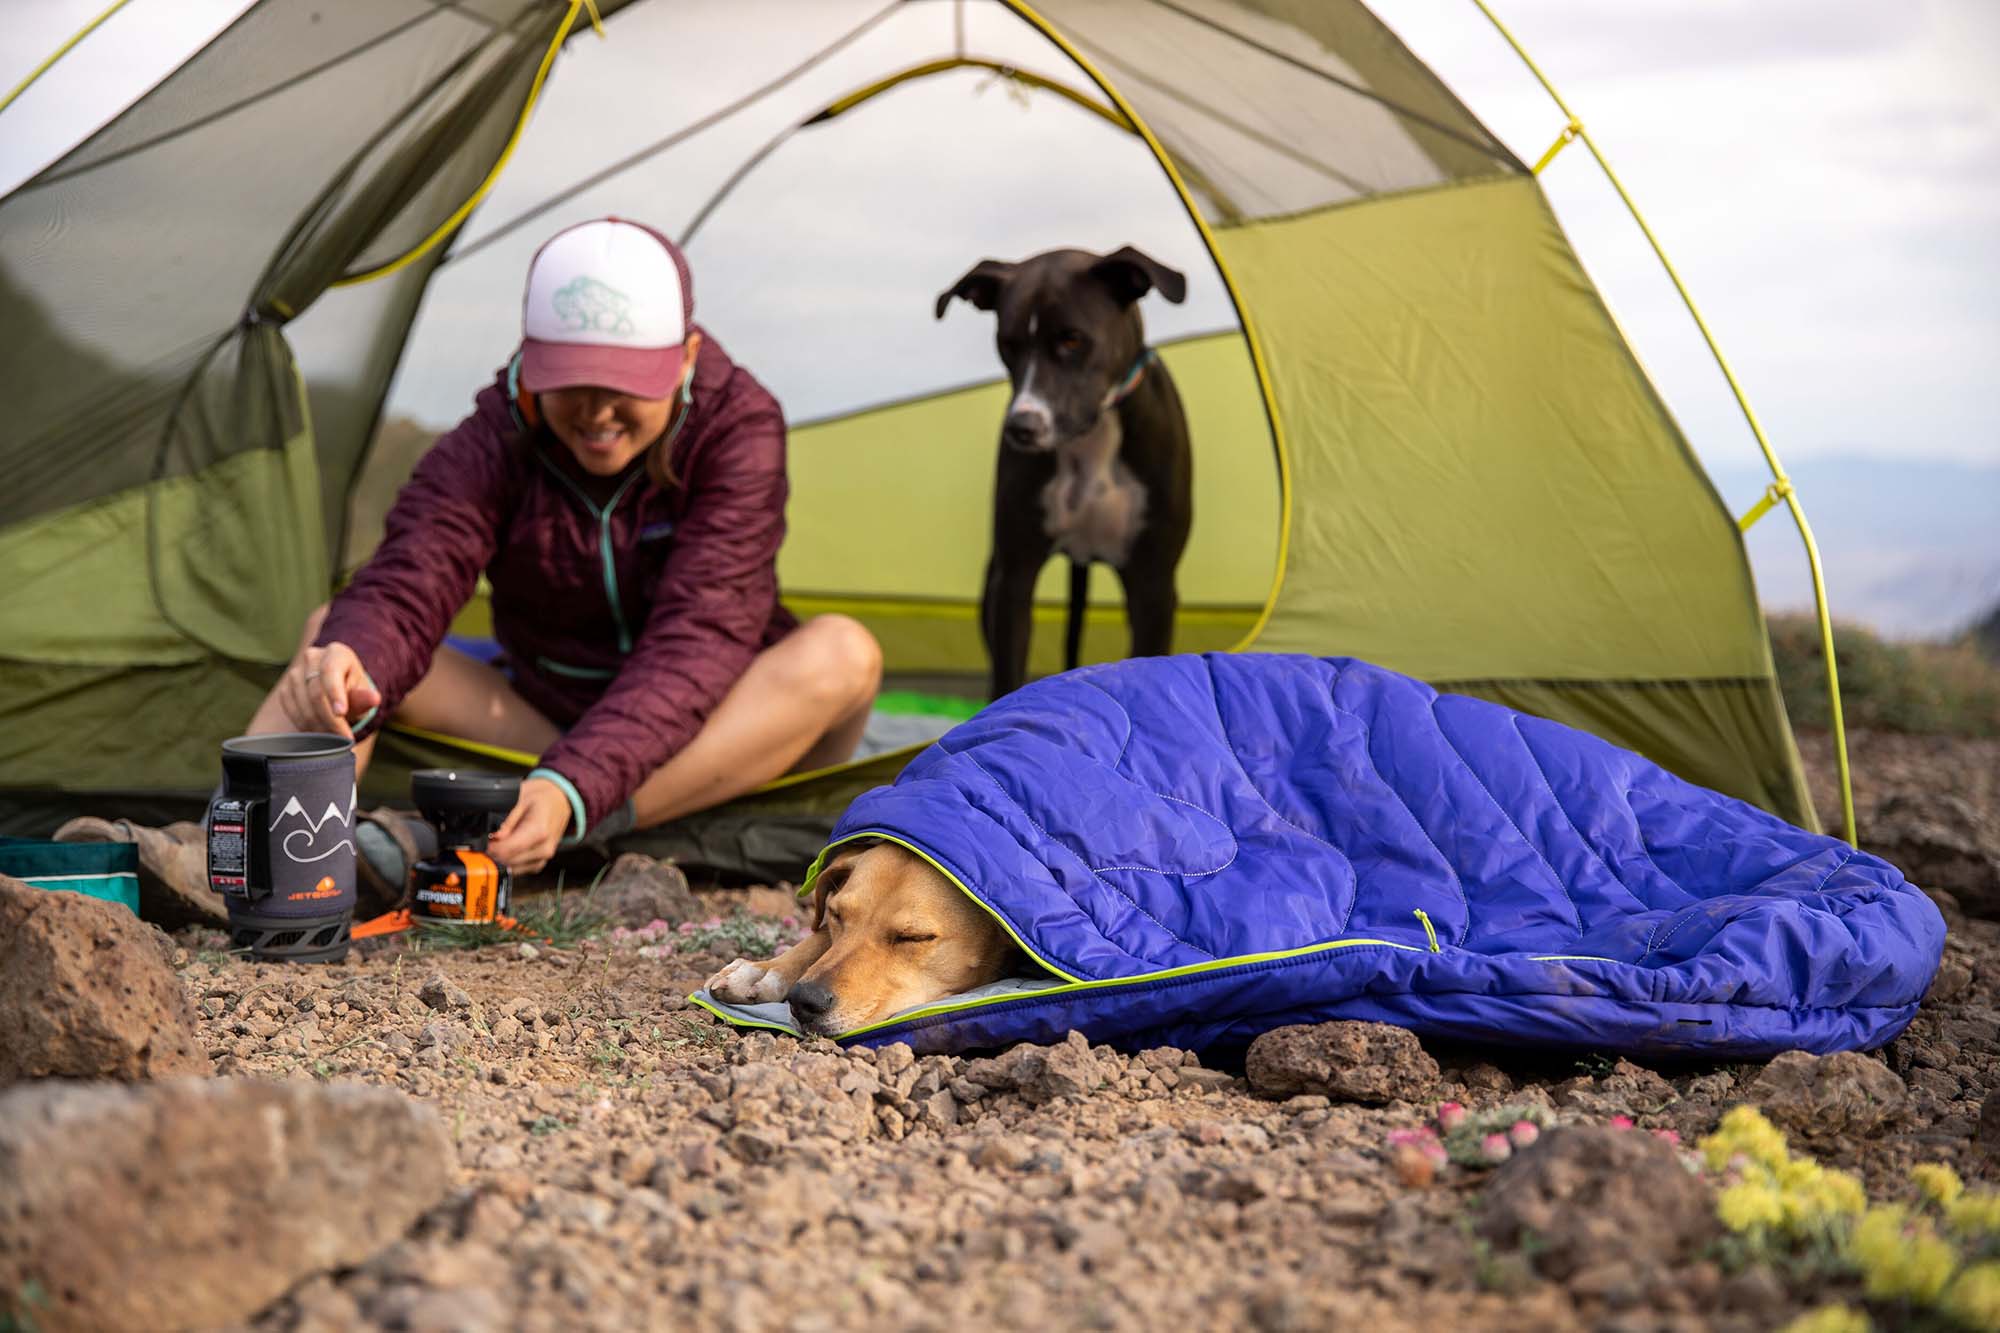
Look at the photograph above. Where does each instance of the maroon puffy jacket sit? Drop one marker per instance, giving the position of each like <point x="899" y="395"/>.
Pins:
<point x="626" y="610"/>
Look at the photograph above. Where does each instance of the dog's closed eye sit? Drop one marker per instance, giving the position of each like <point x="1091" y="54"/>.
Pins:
<point x="915" y="936"/>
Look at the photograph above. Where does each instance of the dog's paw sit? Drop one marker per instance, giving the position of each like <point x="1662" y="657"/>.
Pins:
<point x="745" y="982"/>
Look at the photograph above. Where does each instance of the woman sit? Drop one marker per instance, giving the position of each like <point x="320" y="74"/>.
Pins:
<point x="621" y="484"/>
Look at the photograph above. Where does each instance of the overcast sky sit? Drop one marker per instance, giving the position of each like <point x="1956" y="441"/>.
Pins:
<point x="1825" y="173"/>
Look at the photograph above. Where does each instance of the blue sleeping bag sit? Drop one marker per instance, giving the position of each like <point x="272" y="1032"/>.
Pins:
<point x="1199" y="849"/>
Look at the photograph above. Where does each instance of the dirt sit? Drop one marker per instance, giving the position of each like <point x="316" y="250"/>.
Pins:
<point x="625" y="1161"/>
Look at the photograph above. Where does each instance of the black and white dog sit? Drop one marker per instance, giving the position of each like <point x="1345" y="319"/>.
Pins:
<point x="1094" y="457"/>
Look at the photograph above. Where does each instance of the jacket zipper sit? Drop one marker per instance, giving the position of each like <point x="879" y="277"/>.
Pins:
<point x="603" y="517"/>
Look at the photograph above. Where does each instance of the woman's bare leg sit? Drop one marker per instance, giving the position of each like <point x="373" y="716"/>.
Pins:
<point x="802" y="704"/>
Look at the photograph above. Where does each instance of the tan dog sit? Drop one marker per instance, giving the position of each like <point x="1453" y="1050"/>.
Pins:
<point x="889" y="933"/>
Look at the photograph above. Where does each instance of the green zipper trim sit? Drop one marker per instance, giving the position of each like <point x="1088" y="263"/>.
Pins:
<point x="576" y="672"/>
<point x="1429" y="933"/>
<point x="1192" y="969"/>
<point x="603" y="517"/>
<point x="1075" y="984"/>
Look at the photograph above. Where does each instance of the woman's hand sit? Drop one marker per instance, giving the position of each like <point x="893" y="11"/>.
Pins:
<point x="325" y="689"/>
<point x="534" y="827"/>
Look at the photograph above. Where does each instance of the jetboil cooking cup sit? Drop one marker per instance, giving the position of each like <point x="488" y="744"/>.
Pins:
<point x="281" y="845"/>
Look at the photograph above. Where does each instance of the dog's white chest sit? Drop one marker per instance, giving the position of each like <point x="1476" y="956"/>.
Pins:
<point x="1094" y="507"/>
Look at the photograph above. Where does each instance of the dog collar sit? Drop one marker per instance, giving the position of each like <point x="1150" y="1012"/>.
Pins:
<point x="1124" y="388"/>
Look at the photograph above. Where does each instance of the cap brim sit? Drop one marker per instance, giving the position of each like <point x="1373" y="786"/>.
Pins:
<point x="643" y="372"/>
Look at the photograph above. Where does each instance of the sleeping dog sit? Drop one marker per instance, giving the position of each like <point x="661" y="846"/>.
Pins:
<point x="1094" y="458"/>
<point x="890" y="932"/>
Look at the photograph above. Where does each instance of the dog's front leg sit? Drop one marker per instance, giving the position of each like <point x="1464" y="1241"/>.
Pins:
<point x="1007" y="615"/>
<point x="745" y="982"/>
<point x="1150" y="602"/>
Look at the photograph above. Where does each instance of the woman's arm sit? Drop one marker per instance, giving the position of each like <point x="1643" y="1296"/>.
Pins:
<point x="440" y="534"/>
<point x="710" y="608"/>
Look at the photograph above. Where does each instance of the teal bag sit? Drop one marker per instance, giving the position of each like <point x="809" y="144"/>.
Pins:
<point x="107" y="870"/>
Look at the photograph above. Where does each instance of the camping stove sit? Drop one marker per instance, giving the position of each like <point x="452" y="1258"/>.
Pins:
<point x="462" y="885"/>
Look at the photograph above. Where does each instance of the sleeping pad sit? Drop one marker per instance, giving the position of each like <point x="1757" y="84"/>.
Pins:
<point x="1198" y="849"/>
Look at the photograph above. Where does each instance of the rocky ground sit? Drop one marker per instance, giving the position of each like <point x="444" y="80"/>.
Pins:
<point x="621" y="1160"/>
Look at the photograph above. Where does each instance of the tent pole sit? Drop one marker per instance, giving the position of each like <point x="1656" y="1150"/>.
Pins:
<point x="59" y="53"/>
<point x="1250" y="338"/>
<point x="1781" y="484"/>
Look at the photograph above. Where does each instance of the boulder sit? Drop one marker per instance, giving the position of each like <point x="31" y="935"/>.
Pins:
<point x="1591" y="1196"/>
<point x="1348" y="1062"/>
<point x="1843" y="1093"/>
<point x="639" y="890"/>
<point x="198" y="1202"/>
<point x="86" y="992"/>
<point x="1940" y="842"/>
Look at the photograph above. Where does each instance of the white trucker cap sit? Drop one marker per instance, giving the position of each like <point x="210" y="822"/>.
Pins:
<point x="609" y="304"/>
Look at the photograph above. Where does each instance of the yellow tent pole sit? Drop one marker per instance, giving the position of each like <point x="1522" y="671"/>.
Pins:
<point x="1145" y="131"/>
<point x="1781" y="484"/>
<point x="59" y="53"/>
<point x="459" y="214"/>
<point x="929" y="67"/>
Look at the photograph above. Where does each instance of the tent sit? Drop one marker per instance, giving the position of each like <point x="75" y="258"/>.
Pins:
<point x="1421" y="438"/>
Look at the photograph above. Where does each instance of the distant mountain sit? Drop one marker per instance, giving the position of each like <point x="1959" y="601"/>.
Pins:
<point x="1911" y="549"/>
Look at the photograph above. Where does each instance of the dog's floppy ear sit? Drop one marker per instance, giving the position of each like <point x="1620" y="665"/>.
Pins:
<point x="1131" y="273"/>
<point x="832" y="875"/>
<point x="981" y="285"/>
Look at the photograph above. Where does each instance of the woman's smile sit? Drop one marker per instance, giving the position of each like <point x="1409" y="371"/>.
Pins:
<point x="603" y="430"/>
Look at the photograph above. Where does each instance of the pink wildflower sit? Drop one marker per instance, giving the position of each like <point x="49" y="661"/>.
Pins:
<point x="1435" y="1151"/>
<point x="1671" y="1136"/>
<point x="688" y="927"/>
<point x="1522" y="1133"/>
<point x="1421" y="1135"/>
<point x="1495" y="1148"/>
<point x="1621" y="1122"/>
<point x="1450" y="1115"/>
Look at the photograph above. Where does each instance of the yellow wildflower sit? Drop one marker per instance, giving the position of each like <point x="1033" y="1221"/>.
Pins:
<point x="1975" y="1214"/>
<point x="1831" y="1319"/>
<point x="1898" y="1259"/>
<point x="1938" y="1183"/>
<point x="1744" y="1130"/>
<point x="1749" y="1204"/>
<point x="1973" y="1299"/>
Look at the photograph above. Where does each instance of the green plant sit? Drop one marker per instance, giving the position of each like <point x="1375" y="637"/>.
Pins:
<point x="741" y="933"/>
<point x="1886" y="685"/>
<point x="546" y="1125"/>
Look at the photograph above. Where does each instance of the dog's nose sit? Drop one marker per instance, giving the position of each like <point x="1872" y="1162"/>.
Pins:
<point x="809" y="1001"/>
<point x="1025" y="430"/>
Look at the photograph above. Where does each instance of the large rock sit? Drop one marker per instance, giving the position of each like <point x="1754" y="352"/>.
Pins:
<point x="193" y="1203"/>
<point x="1842" y="1093"/>
<point x="1590" y="1195"/>
<point x="1939" y="841"/>
<point x="86" y="993"/>
<point x="1066" y="1071"/>
<point x="1350" y="1062"/>
<point x="639" y="890"/>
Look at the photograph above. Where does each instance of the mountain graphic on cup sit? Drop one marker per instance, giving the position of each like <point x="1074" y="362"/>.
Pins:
<point x="308" y="839"/>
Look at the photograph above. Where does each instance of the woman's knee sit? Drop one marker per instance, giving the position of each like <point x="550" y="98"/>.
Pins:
<point x="844" y="658"/>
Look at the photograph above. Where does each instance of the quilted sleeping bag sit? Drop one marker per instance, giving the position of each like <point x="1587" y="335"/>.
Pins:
<point x="1198" y="849"/>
